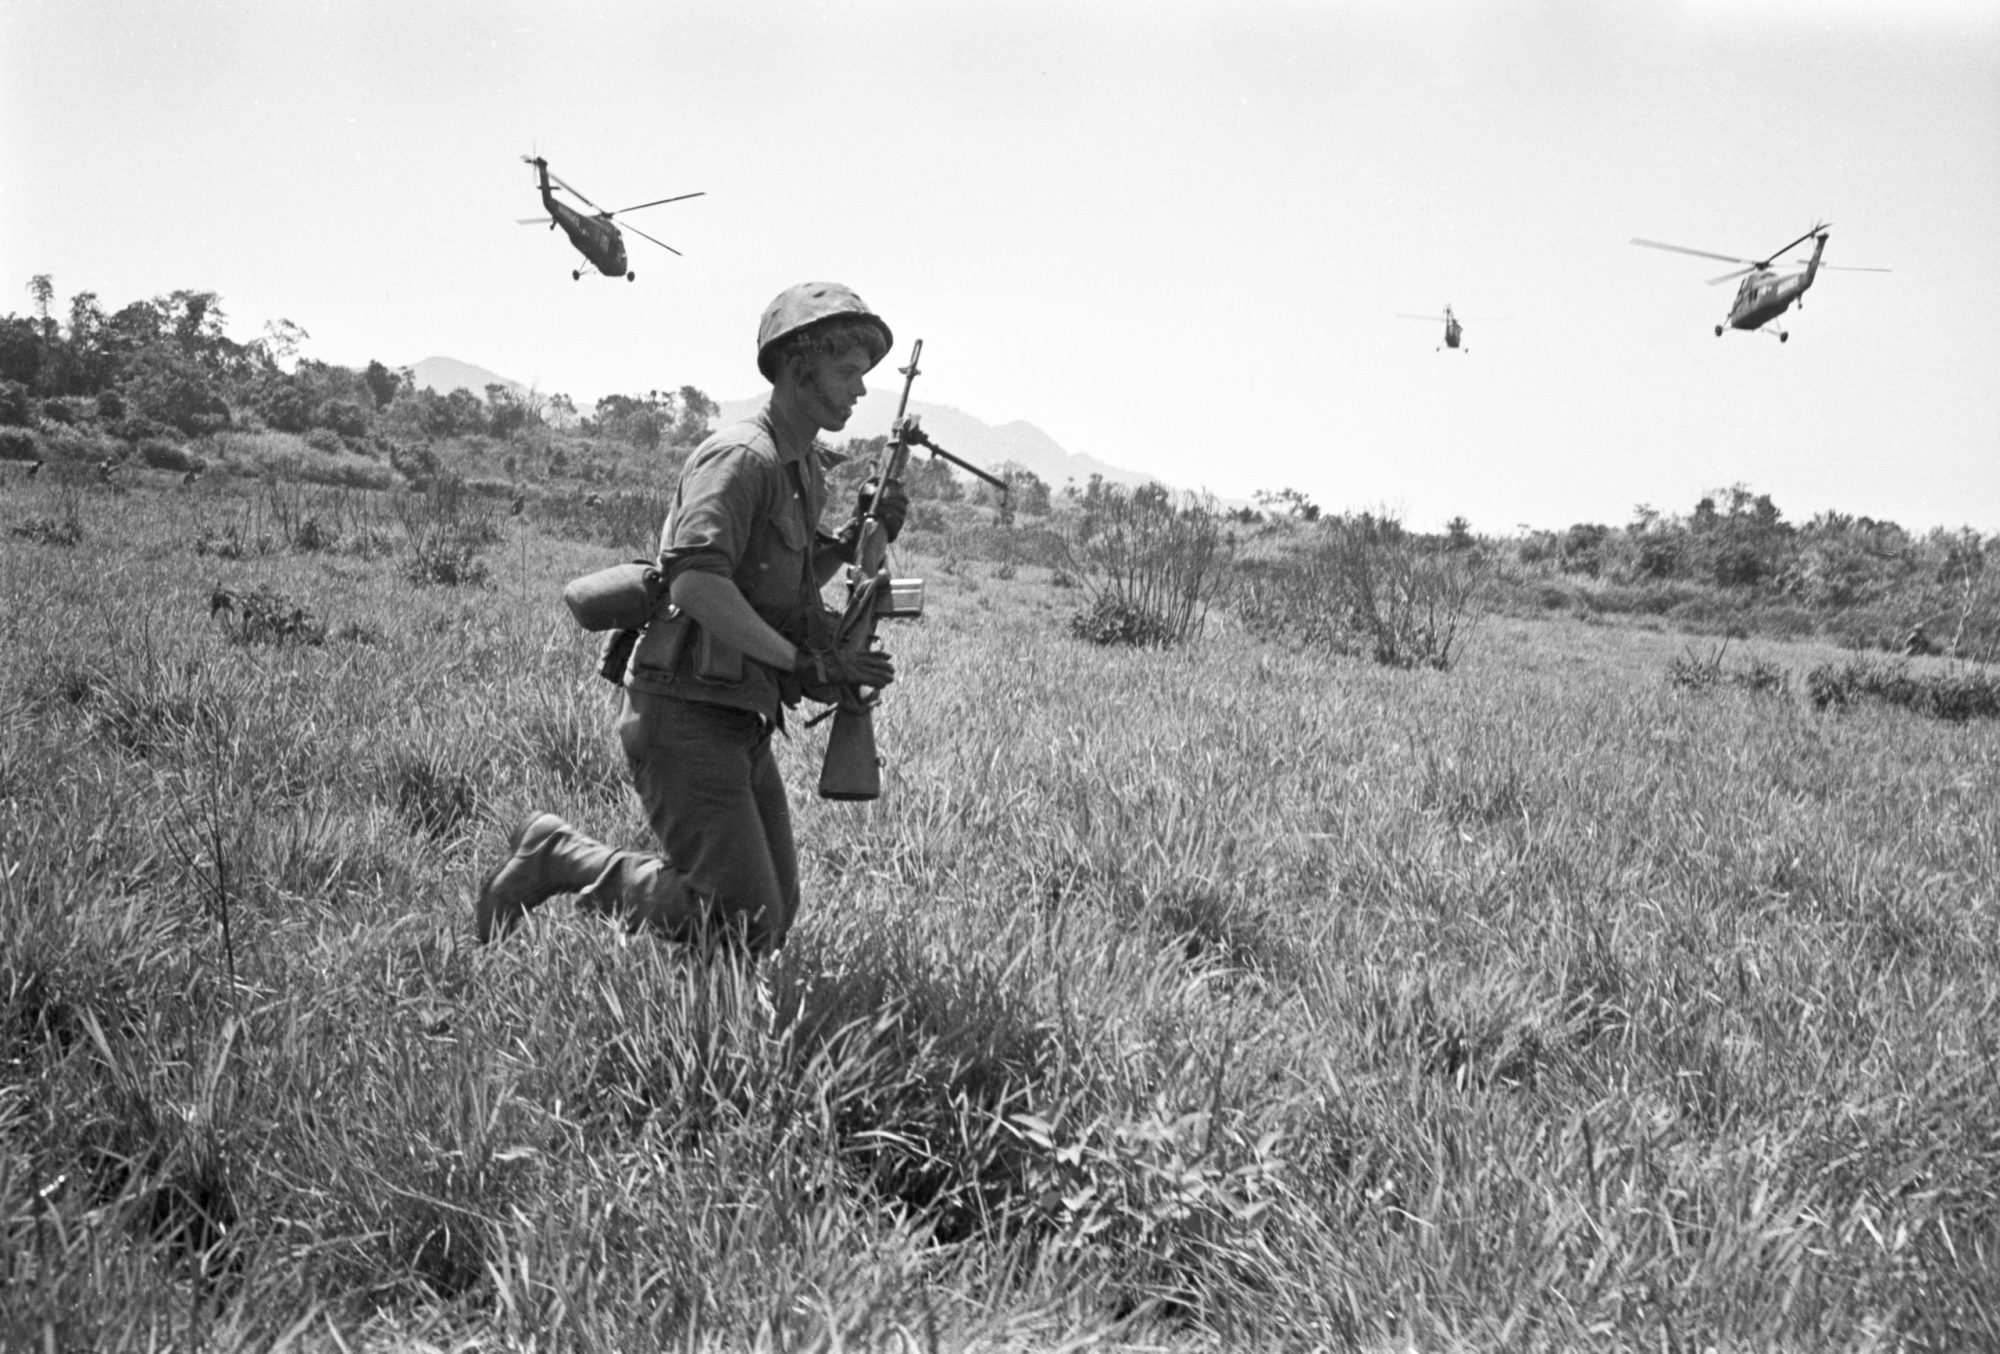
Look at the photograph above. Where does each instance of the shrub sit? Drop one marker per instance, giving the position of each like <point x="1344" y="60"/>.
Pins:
<point x="446" y="530"/>
<point x="137" y="428"/>
<point x="110" y="406"/>
<point x="1108" y="621"/>
<point x="1692" y="672"/>
<point x="161" y="454"/>
<point x="1953" y="696"/>
<point x="1362" y="585"/>
<point x="55" y="411"/>
<point x="1150" y="564"/>
<point x="264" y="617"/>
<point x="18" y="444"/>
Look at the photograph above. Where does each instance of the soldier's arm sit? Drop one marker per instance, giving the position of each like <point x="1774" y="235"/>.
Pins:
<point x="720" y="608"/>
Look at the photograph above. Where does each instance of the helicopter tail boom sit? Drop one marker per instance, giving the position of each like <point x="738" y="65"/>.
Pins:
<point x="1812" y="266"/>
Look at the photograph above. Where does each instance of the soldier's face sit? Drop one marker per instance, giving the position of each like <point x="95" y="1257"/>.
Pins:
<point x="833" y="385"/>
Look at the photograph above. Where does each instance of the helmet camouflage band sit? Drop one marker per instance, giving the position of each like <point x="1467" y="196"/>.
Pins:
<point x="810" y="303"/>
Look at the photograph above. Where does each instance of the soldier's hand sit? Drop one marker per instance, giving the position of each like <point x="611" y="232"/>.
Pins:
<point x="891" y="509"/>
<point x="832" y="669"/>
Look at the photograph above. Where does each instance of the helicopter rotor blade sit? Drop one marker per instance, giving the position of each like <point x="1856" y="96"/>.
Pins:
<point x="657" y="201"/>
<point x="573" y="193"/>
<point x="1405" y="315"/>
<point x="1717" y="281"/>
<point x="1698" y="253"/>
<point x="1822" y="226"/>
<point x="644" y="236"/>
<point x="533" y="220"/>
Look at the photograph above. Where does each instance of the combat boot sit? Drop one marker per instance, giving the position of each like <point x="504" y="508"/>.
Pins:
<point x="547" y="857"/>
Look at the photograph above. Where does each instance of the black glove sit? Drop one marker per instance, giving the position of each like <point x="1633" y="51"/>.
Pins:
<point x="827" y="675"/>
<point x="890" y="511"/>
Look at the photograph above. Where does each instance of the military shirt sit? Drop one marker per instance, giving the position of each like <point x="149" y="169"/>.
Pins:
<point x="746" y="508"/>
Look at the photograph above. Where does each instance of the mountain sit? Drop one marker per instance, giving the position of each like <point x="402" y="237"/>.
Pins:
<point x="956" y="431"/>
<point x="964" y="436"/>
<point x="446" y="374"/>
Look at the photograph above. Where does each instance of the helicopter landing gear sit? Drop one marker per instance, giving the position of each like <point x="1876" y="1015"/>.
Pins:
<point x="631" y="277"/>
<point x="1784" y="337"/>
<point x="576" y="275"/>
<point x="1718" y="331"/>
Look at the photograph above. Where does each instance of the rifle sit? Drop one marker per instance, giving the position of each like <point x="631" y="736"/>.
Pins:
<point x="853" y="769"/>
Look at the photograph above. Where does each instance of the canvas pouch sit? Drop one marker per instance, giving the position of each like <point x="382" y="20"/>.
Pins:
<point x="623" y="597"/>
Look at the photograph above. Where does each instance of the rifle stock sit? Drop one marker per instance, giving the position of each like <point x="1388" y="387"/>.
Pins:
<point x="852" y="768"/>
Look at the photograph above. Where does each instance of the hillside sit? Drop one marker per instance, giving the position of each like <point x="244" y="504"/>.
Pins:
<point x="446" y="374"/>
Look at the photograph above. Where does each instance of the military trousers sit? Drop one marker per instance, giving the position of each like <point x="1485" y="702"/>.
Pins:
<point x="712" y="792"/>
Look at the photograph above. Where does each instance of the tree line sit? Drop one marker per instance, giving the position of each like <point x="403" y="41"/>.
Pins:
<point x="166" y="367"/>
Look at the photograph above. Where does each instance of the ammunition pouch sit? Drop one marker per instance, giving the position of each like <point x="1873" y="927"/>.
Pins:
<point x="818" y="631"/>
<point x="616" y="655"/>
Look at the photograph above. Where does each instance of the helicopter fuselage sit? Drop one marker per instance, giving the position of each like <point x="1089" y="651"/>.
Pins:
<point x="596" y="239"/>
<point x="1765" y="295"/>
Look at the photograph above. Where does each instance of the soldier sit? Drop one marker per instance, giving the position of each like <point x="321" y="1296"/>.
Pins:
<point x="708" y="682"/>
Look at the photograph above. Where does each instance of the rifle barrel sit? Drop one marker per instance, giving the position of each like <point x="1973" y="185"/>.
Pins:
<point x="922" y="439"/>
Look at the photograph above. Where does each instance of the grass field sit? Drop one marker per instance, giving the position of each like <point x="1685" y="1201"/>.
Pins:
<point x="1227" y="997"/>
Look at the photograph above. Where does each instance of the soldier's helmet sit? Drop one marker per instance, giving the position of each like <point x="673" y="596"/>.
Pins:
<point x="810" y="303"/>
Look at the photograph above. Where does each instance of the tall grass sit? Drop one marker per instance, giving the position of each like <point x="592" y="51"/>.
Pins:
<point x="1223" y="996"/>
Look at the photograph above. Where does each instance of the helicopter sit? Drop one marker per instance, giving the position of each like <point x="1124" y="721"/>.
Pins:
<point x="594" y="236"/>
<point x="1764" y="295"/>
<point x="1454" y="329"/>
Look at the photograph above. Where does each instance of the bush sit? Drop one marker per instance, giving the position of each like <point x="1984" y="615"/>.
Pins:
<point x="161" y="454"/>
<point x="18" y="444"/>
<point x="1150" y="565"/>
<point x="1111" y="622"/>
<point x="1692" y="672"/>
<point x="264" y="617"/>
<point x="110" y="406"/>
<point x="1954" y="696"/>
<point x="137" y="428"/>
<point x="446" y="530"/>
<point x="1362" y="585"/>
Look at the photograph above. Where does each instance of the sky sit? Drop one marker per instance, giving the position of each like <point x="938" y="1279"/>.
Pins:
<point x="1175" y="236"/>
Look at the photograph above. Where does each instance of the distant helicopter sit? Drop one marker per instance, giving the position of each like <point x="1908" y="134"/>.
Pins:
<point x="1454" y="331"/>
<point x="1764" y="294"/>
<point x="594" y="236"/>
